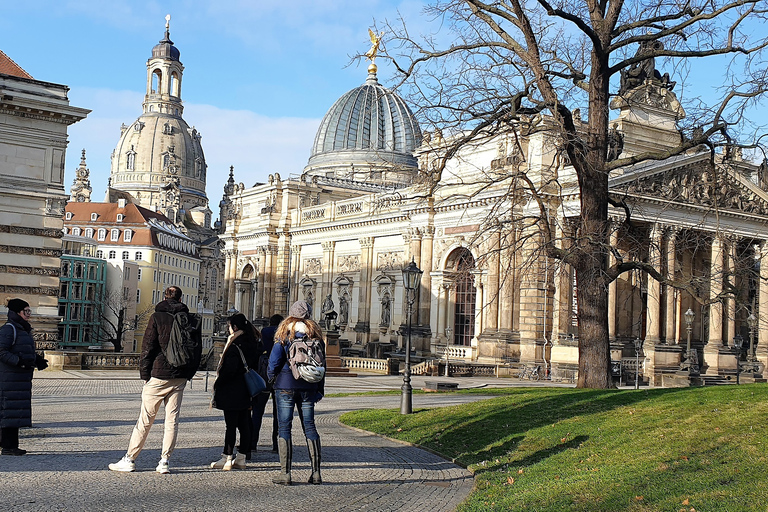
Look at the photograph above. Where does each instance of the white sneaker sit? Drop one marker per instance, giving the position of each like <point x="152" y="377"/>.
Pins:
<point x="124" y="465"/>
<point x="162" y="467"/>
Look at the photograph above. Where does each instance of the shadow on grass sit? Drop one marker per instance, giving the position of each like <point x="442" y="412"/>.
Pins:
<point x="518" y="413"/>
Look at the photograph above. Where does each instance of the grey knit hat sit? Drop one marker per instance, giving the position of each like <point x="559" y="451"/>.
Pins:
<point x="300" y="309"/>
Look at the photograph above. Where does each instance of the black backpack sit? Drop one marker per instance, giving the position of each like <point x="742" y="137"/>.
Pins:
<point x="262" y="369"/>
<point x="183" y="342"/>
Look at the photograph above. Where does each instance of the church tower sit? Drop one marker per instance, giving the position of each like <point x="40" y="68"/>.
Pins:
<point x="80" y="191"/>
<point x="159" y="159"/>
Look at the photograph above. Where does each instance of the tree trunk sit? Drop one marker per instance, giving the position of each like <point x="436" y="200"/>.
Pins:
<point x="593" y="241"/>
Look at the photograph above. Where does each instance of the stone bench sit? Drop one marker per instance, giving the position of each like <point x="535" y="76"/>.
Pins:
<point x="434" y="385"/>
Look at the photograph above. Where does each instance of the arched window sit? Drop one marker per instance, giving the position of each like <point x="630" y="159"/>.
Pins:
<point x="127" y="235"/>
<point x="102" y="234"/>
<point x="89" y="232"/>
<point x="157" y="80"/>
<point x="463" y="263"/>
<point x="100" y="254"/>
<point x="125" y="255"/>
<point x="138" y="256"/>
<point x="115" y="235"/>
<point x="174" y="89"/>
<point x="76" y="231"/>
<point x="131" y="161"/>
<point x="112" y="255"/>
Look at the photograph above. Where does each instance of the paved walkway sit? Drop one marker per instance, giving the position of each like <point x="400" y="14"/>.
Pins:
<point x="82" y="421"/>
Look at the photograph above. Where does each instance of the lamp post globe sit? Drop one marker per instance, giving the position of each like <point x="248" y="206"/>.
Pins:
<point x="411" y="280"/>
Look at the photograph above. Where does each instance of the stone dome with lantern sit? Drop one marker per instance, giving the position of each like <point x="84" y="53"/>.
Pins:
<point x="159" y="158"/>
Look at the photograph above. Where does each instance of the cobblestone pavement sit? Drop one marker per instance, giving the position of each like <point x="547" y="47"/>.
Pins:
<point x="82" y="421"/>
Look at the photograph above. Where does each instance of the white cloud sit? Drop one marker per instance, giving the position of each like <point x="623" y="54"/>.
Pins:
<point x="254" y="144"/>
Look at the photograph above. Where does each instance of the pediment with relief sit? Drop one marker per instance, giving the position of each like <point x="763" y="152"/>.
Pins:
<point x="701" y="187"/>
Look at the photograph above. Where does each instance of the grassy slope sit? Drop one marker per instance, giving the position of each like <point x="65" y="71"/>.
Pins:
<point x="565" y="449"/>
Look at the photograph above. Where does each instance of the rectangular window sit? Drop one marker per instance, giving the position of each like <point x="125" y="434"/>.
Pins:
<point x="90" y="292"/>
<point x="138" y="296"/>
<point x="63" y="309"/>
<point x="127" y="273"/>
<point x="77" y="290"/>
<point x="63" y="290"/>
<point x="138" y="276"/>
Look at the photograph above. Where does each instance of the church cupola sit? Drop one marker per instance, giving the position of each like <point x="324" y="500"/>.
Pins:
<point x="164" y="72"/>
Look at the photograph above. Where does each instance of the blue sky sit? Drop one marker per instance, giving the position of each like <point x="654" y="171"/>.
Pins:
<point x="258" y="76"/>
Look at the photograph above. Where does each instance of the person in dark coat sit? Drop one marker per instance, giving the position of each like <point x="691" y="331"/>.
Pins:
<point x="165" y="383"/>
<point x="18" y="360"/>
<point x="260" y="400"/>
<point x="230" y="392"/>
<point x="293" y="393"/>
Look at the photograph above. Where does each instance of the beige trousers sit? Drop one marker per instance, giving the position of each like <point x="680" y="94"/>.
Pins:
<point x="155" y="392"/>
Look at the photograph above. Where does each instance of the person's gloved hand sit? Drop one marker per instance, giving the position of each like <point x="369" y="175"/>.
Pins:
<point x="41" y="363"/>
<point x="24" y="365"/>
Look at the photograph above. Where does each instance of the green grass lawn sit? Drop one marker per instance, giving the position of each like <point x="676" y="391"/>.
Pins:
<point x="689" y="449"/>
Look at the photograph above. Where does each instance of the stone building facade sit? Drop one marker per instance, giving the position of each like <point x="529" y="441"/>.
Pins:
<point x="34" y="116"/>
<point x="341" y="233"/>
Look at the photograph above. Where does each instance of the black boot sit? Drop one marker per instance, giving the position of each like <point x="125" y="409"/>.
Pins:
<point x="285" y="449"/>
<point x="314" y="459"/>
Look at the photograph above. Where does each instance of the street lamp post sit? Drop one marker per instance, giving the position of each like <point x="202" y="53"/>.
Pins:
<point x="448" y="339"/>
<point x="691" y="362"/>
<point x="411" y="280"/>
<point x="752" y="323"/>
<point x="738" y="342"/>
<point x="638" y="349"/>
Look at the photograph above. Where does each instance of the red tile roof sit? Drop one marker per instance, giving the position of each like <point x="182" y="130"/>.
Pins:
<point x="8" y="67"/>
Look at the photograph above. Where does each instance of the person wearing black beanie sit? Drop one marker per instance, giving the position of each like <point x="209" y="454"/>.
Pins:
<point x="18" y="360"/>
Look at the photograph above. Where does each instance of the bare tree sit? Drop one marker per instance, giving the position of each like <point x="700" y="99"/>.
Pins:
<point x="526" y="67"/>
<point x="112" y="310"/>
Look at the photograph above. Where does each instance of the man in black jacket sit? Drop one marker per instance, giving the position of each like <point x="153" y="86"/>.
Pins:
<point x="164" y="383"/>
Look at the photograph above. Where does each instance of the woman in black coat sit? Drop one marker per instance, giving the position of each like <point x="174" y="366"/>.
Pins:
<point x="230" y="392"/>
<point x="18" y="360"/>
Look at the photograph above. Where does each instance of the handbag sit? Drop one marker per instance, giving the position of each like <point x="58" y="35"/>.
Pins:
<point x="253" y="380"/>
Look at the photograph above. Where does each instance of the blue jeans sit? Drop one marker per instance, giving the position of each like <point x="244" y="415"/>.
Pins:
<point x="304" y="401"/>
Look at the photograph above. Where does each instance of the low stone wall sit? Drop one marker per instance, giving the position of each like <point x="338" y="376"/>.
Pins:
<point x="368" y="364"/>
<point x="71" y="360"/>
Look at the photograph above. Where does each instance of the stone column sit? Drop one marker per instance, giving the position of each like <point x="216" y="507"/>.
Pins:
<point x="479" y="317"/>
<point x="730" y="301"/>
<point x="762" y="308"/>
<point x="428" y="238"/>
<point x="227" y="280"/>
<point x="492" y="294"/>
<point x="295" y="274"/>
<point x="436" y="309"/>
<point x="268" y="305"/>
<point x="653" y="303"/>
<point x="717" y="268"/>
<point x="232" y="276"/>
<point x="507" y="288"/>
<point x="327" y="285"/>
<point x="670" y="323"/>
<point x="364" y="320"/>
<point x="261" y="282"/>
<point x="613" y="286"/>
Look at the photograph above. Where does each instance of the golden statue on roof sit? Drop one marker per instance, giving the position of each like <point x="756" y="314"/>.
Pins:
<point x="375" y="40"/>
